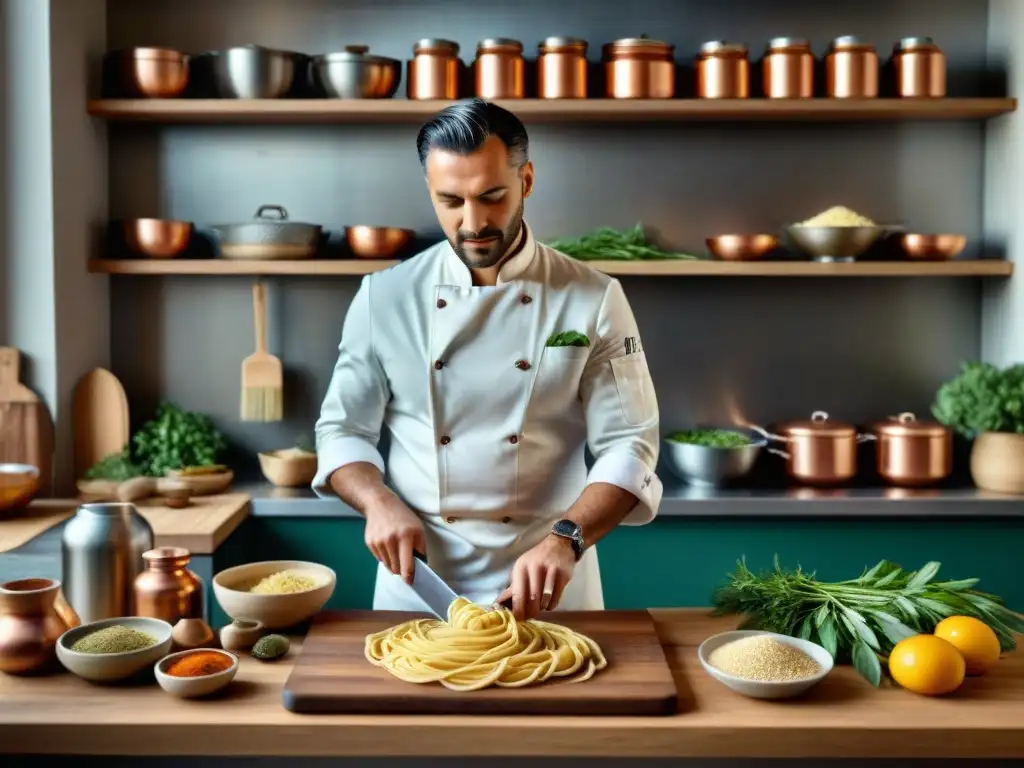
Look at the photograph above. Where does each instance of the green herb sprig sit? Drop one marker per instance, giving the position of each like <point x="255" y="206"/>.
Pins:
<point x="568" y="339"/>
<point x="609" y="244"/>
<point x="860" y="620"/>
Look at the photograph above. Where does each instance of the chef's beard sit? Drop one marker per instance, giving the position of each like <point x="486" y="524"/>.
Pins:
<point x="482" y="258"/>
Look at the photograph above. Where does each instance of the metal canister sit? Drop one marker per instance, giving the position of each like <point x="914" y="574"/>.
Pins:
<point x="920" y="68"/>
<point x="639" y="68"/>
<point x="723" y="71"/>
<point x="101" y="555"/>
<point x="851" y="68"/>
<point x="500" y="70"/>
<point x="788" y="69"/>
<point x="166" y="589"/>
<point x="433" y="72"/>
<point x="562" y="68"/>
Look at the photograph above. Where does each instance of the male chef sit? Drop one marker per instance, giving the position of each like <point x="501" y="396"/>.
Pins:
<point x="493" y="361"/>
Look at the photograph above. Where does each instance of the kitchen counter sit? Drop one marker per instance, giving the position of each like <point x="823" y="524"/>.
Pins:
<point x="844" y="715"/>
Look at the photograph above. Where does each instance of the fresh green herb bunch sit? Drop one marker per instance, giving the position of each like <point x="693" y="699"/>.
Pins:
<point x="711" y="438"/>
<point x="114" y="466"/>
<point x="568" y="339"/>
<point x="176" y="438"/>
<point x="607" y="243"/>
<point x="982" y="398"/>
<point x="861" y="619"/>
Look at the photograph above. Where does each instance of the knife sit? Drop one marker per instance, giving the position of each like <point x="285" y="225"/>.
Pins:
<point x="431" y="588"/>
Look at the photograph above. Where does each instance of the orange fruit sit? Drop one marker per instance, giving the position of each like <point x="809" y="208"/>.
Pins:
<point x="975" y="640"/>
<point x="927" y="664"/>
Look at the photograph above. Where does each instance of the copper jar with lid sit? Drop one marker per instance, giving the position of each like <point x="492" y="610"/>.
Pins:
<point x="639" y="68"/>
<point x="851" y="69"/>
<point x="913" y="453"/>
<point x="723" y="71"/>
<point x="433" y="72"/>
<point x="166" y="589"/>
<point x="562" y="68"/>
<point x="788" y="69"/>
<point x="920" y="68"/>
<point x="500" y="70"/>
<point x="821" y="451"/>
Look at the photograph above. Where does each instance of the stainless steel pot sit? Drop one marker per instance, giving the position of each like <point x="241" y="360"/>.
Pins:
<point x="253" y="72"/>
<point x="268" y="237"/>
<point x="356" y="74"/>
<point x="711" y="467"/>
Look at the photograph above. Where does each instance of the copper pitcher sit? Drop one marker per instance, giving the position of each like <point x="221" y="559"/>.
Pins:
<point x="166" y="589"/>
<point x="33" y="614"/>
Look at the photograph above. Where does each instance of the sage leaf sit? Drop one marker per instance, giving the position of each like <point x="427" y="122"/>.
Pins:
<point x="827" y="633"/>
<point x="870" y="574"/>
<point x="907" y="606"/>
<point x="806" y="626"/>
<point x="866" y="663"/>
<point x="935" y="606"/>
<point x="956" y="586"/>
<point x="893" y="628"/>
<point x="1013" y="620"/>
<point x="923" y="576"/>
<point x="888" y="579"/>
<point x="861" y="628"/>
<point x="821" y="614"/>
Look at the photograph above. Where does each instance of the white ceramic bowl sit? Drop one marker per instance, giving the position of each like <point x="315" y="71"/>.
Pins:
<point x="755" y="688"/>
<point x="108" y="667"/>
<point x="192" y="687"/>
<point x="231" y="586"/>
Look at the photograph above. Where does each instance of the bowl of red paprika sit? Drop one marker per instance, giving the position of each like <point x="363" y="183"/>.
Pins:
<point x="196" y="672"/>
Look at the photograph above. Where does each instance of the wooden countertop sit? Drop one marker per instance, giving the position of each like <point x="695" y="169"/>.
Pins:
<point x="843" y="716"/>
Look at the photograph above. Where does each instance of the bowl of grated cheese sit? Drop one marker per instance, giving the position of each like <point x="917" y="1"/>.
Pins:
<point x="764" y="665"/>
<point x="837" y="234"/>
<point x="278" y="593"/>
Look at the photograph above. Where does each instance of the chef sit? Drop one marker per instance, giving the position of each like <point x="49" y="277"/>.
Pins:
<point x="493" y="361"/>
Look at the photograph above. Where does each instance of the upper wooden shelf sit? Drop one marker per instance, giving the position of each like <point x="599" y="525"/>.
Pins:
<point x="699" y="268"/>
<point x="547" y="110"/>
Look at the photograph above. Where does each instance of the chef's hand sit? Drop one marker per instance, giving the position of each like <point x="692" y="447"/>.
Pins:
<point x="539" y="577"/>
<point x="393" y="531"/>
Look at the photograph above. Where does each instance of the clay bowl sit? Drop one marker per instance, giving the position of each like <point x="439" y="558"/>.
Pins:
<point x="932" y="247"/>
<point x="157" y="238"/>
<point x="368" y="242"/>
<point x="289" y="468"/>
<point x="193" y="687"/>
<point x="108" y="667"/>
<point x="742" y="247"/>
<point x="231" y="588"/>
<point x="204" y="481"/>
<point x="19" y="484"/>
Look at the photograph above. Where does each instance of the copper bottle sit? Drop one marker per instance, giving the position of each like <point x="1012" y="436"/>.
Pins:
<point x="33" y="614"/>
<point x="788" y="69"/>
<point x="166" y="589"/>
<point x="920" y="68"/>
<point x="913" y="453"/>
<point x="562" y="68"/>
<point x="851" y="69"/>
<point x="639" y="68"/>
<point x="433" y="72"/>
<point x="499" y="69"/>
<point x="723" y="71"/>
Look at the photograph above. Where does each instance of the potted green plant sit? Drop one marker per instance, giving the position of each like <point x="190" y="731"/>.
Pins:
<point x="985" y="403"/>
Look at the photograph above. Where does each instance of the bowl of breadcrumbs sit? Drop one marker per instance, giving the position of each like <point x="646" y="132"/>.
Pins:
<point x="764" y="665"/>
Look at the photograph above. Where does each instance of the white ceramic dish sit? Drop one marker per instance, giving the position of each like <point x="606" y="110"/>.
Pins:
<point x="193" y="687"/>
<point x="109" y="667"/>
<point x="273" y="611"/>
<point x="755" y="688"/>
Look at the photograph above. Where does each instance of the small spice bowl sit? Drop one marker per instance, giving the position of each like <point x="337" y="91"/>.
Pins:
<point x="109" y="667"/>
<point x="758" y="689"/>
<point x="201" y="685"/>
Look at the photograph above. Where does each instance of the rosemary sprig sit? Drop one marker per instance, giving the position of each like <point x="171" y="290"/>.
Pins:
<point x="606" y="243"/>
<point x="860" y="620"/>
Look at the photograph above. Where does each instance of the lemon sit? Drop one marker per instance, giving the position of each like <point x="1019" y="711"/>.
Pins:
<point x="975" y="640"/>
<point x="927" y="664"/>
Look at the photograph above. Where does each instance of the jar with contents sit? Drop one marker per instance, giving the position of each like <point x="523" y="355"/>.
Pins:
<point x="639" y="68"/>
<point x="500" y="69"/>
<point x="433" y="72"/>
<point x="851" y="69"/>
<point x="920" y="68"/>
<point x="788" y="69"/>
<point x="562" y="68"/>
<point x="723" y="71"/>
<point x="166" y="589"/>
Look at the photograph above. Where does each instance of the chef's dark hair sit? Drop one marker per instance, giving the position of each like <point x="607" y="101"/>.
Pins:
<point x="465" y="126"/>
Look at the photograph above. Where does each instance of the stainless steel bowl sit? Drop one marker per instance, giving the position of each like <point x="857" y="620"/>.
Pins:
<point x="253" y="72"/>
<point x="355" y="74"/>
<point x="708" y="467"/>
<point x="834" y="243"/>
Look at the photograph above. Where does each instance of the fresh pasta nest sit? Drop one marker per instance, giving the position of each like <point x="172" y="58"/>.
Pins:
<point x="479" y="647"/>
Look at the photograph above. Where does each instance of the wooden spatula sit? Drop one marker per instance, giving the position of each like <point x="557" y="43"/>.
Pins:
<point x="26" y="430"/>
<point x="262" y="373"/>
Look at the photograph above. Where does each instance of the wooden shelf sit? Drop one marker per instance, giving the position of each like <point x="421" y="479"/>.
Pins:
<point x="549" y="111"/>
<point x="699" y="268"/>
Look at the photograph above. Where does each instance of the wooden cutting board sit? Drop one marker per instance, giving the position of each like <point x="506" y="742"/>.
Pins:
<point x="26" y="430"/>
<point x="101" y="425"/>
<point x="332" y="674"/>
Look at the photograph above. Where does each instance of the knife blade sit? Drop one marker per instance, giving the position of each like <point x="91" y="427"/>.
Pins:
<point x="431" y="588"/>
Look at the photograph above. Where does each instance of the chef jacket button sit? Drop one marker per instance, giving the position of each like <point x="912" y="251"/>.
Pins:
<point x="441" y="303"/>
<point x="450" y="520"/>
<point x="524" y="299"/>
<point x="506" y="519"/>
<point x="522" y="365"/>
<point x="438" y="364"/>
<point x="513" y="439"/>
<point x="445" y="439"/>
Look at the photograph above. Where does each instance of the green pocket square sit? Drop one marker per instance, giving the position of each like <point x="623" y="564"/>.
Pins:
<point x="568" y="339"/>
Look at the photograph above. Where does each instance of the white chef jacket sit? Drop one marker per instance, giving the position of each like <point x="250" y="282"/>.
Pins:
<point x="488" y="423"/>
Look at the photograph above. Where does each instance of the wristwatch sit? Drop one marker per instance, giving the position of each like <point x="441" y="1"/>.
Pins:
<point x="569" y="530"/>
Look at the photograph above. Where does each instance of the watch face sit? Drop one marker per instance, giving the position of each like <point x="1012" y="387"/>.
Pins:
<point x="565" y="528"/>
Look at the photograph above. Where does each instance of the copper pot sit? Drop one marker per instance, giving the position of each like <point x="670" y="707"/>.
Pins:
<point x="851" y="69"/>
<point x="912" y="452"/>
<point x="433" y="72"/>
<point x="920" y="68"/>
<point x="820" y="451"/>
<point x="788" y="69"/>
<point x="33" y="614"/>
<point x="500" y="70"/>
<point x="639" y="68"/>
<point x="562" y="68"/>
<point x="157" y="238"/>
<point x="723" y="71"/>
<point x="166" y="589"/>
<point x="149" y="72"/>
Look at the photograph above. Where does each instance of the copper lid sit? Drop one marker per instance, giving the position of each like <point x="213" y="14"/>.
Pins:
<point x="354" y="53"/>
<point x="638" y="46"/>
<point x="564" y="44"/>
<point x="907" y="425"/>
<point x="819" y="425"/>
<point x="916" y="44"/>
<point x="166" y="554"/>
<point x="500" y="44"/>
<point x="436" y="45"/>
<point x="851" y="43"/>
<point x="722" y="48"/>
<point x="782" y="43"/>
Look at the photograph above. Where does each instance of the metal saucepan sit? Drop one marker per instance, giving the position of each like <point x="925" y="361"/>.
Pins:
<point x="709" y="466"/>
<point x="356" y="74"/>
<point x="253" y="72"/>
<point x="821" y="451"/>
<point x="269" y="237"/>
<point x="913" y="453"/>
